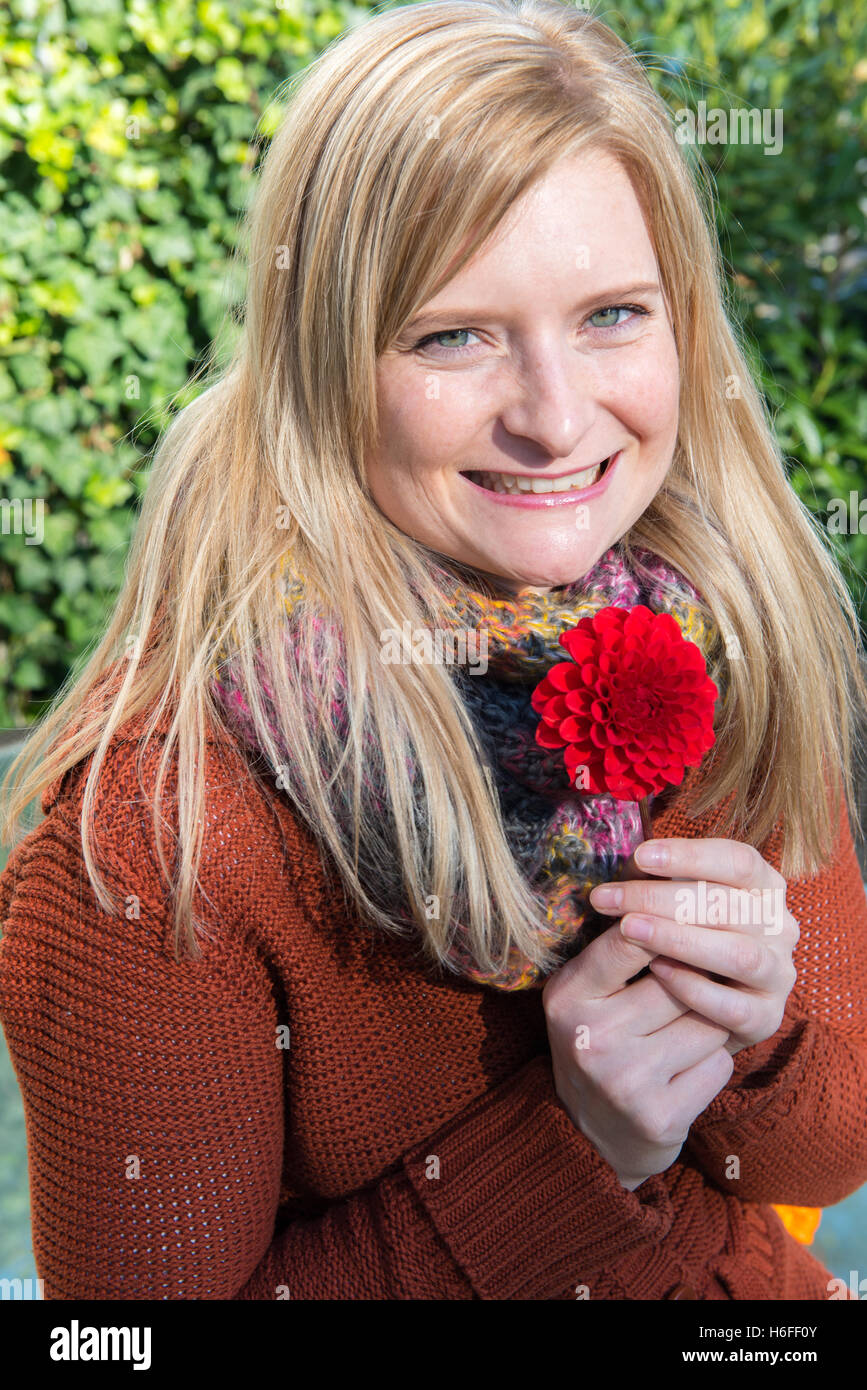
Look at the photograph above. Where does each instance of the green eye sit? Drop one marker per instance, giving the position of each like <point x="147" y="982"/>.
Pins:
<point x="603" y="313"/>
<point x="453" y="333"/>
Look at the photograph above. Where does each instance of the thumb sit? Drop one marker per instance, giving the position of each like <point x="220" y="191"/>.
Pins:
<point x="609" y="963"/>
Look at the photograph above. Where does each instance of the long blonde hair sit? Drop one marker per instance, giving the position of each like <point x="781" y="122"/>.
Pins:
<point x="404" y="145"/>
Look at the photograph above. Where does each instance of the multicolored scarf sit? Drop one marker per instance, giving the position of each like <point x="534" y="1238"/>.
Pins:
<point x="564" y="840"/>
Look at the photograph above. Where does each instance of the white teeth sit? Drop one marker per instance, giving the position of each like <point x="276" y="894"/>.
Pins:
<point x="507" y="482"/>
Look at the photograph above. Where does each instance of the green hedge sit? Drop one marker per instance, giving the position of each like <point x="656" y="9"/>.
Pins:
<point x="129" y="137"/>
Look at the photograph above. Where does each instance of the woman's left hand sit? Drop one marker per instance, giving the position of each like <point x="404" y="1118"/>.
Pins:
<point x="722" y="929"/>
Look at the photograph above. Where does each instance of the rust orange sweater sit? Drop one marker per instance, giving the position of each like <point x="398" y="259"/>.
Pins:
<point x="408" y="1143"/>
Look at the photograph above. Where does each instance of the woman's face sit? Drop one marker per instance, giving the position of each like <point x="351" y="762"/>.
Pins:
<point x="550" y="352"/>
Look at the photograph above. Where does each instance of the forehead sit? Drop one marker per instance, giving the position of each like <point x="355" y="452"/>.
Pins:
<point x="580" y="223"/>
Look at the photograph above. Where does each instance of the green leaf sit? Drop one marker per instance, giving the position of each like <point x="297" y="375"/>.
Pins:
<point x="93" y="348"/>
<point x="28" y="675"/>
<point x="807" y="429"/>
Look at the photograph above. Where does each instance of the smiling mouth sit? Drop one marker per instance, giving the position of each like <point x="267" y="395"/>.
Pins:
<point x="517" y="486"/>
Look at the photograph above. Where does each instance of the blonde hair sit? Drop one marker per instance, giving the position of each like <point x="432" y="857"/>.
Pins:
<point x="404" y="145"/>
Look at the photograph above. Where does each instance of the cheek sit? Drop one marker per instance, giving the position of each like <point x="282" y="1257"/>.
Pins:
<point x="426" y="423"/>
<point x="644" y="390"/>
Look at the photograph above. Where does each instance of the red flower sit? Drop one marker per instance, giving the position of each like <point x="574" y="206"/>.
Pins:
<point x="633" y="708"/>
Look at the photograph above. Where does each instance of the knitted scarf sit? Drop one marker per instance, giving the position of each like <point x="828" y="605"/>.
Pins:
<point x="564" y="840"/>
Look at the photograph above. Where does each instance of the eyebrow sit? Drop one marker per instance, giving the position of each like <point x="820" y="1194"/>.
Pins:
<point x="605" y="296"/>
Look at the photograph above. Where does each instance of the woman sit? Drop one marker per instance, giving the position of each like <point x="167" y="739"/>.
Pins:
<point x="294" y="970"/>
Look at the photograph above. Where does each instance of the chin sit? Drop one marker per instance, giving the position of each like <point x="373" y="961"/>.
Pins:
<point x="550" y="576"/>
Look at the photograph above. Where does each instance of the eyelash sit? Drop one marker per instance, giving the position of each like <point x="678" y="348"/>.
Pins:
<point x="604" y="309"/>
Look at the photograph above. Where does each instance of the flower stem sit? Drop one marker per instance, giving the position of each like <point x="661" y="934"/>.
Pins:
<point x="646" y="827"/>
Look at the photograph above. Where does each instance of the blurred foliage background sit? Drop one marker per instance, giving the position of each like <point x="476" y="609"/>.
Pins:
<point x="130" y="134"/>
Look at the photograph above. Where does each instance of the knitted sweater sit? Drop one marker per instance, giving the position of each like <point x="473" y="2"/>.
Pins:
<point x="408" y="1142"/>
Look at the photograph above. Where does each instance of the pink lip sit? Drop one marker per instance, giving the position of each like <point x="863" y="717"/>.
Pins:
<point x="550" y="499"/>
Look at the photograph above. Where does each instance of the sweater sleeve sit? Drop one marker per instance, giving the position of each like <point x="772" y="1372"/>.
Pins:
<point x="792" y="1113"/>
<point x="523" y="1208"/>
<point x="156" y="1117"/>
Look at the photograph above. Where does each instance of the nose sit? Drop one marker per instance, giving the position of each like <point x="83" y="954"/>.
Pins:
<point x="553" y="403"/>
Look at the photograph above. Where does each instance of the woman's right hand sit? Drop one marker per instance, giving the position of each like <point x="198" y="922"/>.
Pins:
<point x="633" y="1066"/>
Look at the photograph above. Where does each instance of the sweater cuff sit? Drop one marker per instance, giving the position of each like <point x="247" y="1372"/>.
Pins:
<point x="766" y="1077"/>
<point x="524" y="1201"/>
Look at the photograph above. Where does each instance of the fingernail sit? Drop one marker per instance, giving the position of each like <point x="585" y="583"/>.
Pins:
<point x="661" y="967"/>
<point x="637" y="928"/>
<point x="606" y="895"/>
<point x="652" y="855"/>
